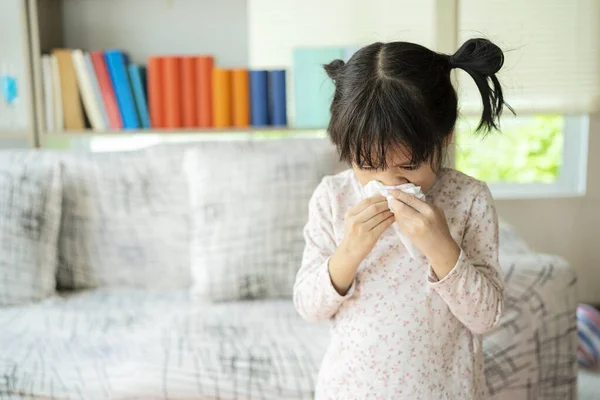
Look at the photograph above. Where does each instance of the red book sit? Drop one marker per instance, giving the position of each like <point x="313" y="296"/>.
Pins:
<point x="204" y="90"/>
<point x="171" y="84"/>
<point x="155" y="92"/>
<point x="108" y="92"/>
<point x="188" y="92"/>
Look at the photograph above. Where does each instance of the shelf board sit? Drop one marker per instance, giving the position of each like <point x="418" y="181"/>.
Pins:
<point x="187" y="131"/>
<point x="15" y="135"/>
<point x="136" y="139"/>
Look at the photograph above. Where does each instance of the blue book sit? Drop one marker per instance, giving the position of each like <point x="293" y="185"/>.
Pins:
<point x="313" y="90"/>
<point x="137" y="74"/>
<point x="277" y="98"/>
<point x="116" y="61"/>
<point x="259" y="98"/>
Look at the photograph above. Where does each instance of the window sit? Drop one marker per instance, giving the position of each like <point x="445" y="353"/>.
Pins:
<point x="533" y="156"/>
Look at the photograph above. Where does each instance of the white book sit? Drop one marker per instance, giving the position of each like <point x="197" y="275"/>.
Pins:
<point x="84" y="82"/>
<point x="96" y="87"/>
<point x="59" y="122"/>
<point x="48" y="94"/>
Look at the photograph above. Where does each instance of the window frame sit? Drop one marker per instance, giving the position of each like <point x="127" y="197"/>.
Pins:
<point x="572" y="177"/>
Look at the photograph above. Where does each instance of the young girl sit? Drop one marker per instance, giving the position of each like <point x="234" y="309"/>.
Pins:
<point x="403" y="327"/>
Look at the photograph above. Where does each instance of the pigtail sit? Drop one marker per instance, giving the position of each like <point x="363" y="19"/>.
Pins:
<point x="334" y="68"/>
<point x="482" y="59"/>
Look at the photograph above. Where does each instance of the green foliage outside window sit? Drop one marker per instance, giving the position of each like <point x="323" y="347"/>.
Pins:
<point x="527" y="150"/>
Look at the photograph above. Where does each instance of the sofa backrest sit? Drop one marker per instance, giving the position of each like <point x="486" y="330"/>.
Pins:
<point x="126" y="217"/>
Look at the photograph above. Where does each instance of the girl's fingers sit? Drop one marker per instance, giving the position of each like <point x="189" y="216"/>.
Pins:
<point x="403" y="210"/>
<point x="374" y="208"/>
<point x="377" y="219"/>
<point x="411" y="201"/>
<point x="383" y="225"/>
<point x="361" y="206"/>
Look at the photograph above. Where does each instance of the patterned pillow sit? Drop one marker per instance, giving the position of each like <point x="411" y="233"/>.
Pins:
<point x="30" y="207"/>
<point x="125" y="221"/>
<point x="249" y="206"/>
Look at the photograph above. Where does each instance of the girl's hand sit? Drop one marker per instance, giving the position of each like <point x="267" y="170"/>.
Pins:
<point x="426" y="227"/>
<point x="364" y="224"/>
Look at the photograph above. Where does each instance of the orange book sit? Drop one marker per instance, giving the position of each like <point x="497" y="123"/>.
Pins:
<point x="221" y="82"/>
<point x="155" y="92"/>
<point x="188" y="92"/>
<point x="204" y="67"/>
<point x="240" y="93"/>
<point x="171" y="83"/>
<point x="71" y="102"/>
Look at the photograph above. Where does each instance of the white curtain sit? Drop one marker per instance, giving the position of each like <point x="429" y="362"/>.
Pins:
<point x="552" y="50"/>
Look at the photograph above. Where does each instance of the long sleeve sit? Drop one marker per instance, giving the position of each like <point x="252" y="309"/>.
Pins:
<point x="474" y="288"/>
<point x="315" y="298"/>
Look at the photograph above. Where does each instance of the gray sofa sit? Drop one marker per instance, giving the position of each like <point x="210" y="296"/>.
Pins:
<point x="121" y="307"/>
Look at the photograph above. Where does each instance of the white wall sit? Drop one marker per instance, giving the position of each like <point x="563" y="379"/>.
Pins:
<point x="299" y="23"/>
<point x="160" y="27"/>
<point x="569" y="227"/>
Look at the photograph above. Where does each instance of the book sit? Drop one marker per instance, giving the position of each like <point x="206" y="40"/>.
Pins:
<point x="313" y="90"/>
<point x="48" y="94"/>
<point x="71" y="102"/>
<point x="89" y="65"/>
<point x="59" y="122"/>
<point x="189" y="107"/>
<point x="116" y="62"/>
<point x="171" y="88"/>
<point x="109" y="97"/>
<point x="86" y="91"/>
<point x="204" y="91"/>
<point x="155" y="92"/>
<point x="221" y="85"/>
<point x="137" y="75"/>
<point x="240" y="93"/>
<point x="259" y="98"/>
<point x="277" y="98"/>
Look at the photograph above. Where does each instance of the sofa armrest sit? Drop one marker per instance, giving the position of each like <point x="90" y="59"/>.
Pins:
<point x="532" y="354"/>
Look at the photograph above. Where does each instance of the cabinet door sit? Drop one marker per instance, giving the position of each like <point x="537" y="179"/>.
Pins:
<point x="16" y="111"/>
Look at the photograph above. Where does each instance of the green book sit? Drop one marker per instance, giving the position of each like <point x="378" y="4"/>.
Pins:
<point x="313" y="89"/>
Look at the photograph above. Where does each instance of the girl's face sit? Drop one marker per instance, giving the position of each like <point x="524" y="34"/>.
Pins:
<point x="399" y="171"/>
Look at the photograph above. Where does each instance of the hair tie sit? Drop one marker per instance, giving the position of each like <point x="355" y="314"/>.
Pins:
<point x="452" y="62"/>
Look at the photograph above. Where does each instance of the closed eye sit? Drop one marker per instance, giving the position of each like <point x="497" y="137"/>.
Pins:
<point x="366" y="168"/>
<point x="409" y="167"/>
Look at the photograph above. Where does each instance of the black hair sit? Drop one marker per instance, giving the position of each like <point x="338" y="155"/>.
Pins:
<point x="400" y="95"/>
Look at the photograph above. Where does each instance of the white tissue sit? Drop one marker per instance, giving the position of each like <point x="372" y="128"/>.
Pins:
<point x="374" y="187"/>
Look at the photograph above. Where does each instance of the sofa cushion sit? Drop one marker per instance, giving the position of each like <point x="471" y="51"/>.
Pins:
<point x="30" y="208"/>
<point x="125" y="221"/>
<point x="128" y="343"/>
<point x="249" y="202"/>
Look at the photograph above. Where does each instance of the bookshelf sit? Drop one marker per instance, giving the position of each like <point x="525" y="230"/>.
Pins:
<point x="267" y="130"/>
<point x="142" y="28"/>
<point x="131" y="140"/>
<point x="17" y="127"/>
<point x="232" y="30"/>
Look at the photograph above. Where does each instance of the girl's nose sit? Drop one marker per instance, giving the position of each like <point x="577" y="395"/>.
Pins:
<point x="393" y="180"/>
